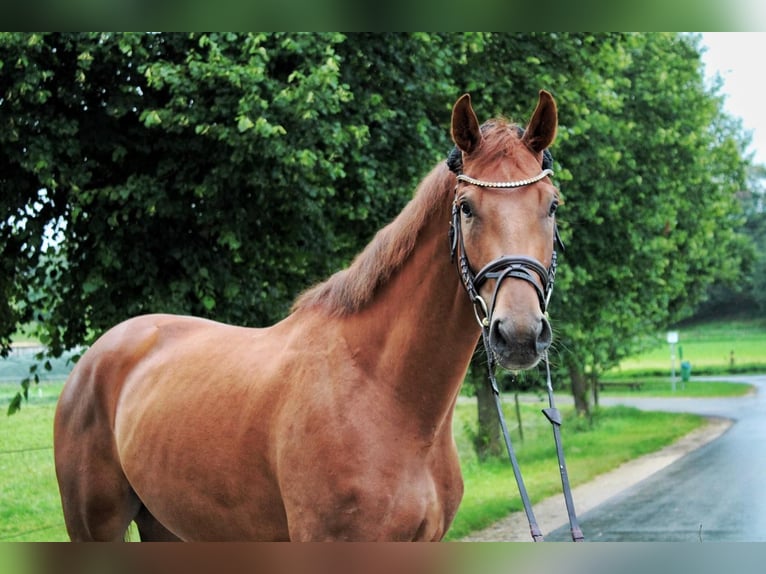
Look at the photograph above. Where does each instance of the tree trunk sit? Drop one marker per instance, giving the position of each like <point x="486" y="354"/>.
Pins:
<point x="486" y="442"/>
<point x="594" y="387"/>
<point x="579" y="389"/>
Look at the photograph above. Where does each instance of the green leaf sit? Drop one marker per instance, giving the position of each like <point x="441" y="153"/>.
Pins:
<point x="229" y="239"/>
<point x="208" y="301"/>
<point x="244" y="123"/>
<point x="150" y="118"/>
<point x="15" y="405"/>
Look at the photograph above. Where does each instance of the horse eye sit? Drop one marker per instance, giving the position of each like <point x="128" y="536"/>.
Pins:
<point x="553" y="208"/>
<point x="466" y="209"/>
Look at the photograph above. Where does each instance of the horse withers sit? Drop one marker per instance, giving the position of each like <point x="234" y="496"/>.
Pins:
<point x="335" y="423"/>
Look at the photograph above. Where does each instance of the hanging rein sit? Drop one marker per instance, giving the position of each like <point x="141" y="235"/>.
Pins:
<point x="535" y="273"/>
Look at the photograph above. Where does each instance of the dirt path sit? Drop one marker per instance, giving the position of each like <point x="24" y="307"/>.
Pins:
<point x="551" y="512"/>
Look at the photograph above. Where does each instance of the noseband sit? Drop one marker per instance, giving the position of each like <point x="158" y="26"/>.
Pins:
<point x="533" y="272"/>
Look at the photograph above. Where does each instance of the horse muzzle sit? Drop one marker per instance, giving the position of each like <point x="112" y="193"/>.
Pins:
<point x="520" y="336"/>
<point x="519" y="343"/>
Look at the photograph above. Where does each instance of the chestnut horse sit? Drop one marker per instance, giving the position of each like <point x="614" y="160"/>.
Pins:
<point x="335" y="423"/>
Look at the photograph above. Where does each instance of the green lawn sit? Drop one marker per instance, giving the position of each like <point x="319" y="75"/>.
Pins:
<point x="715" y="347"/>
<point x="30" y="509"/>
<point x="663" y="387"/>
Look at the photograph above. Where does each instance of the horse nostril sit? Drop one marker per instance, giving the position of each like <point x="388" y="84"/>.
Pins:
<point x="525" y="343"/>
<point x="545" y="337"/>
<point x="498" y="334"/>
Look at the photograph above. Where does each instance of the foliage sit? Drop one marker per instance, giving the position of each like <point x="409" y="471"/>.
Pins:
<point x="214" y="175"/>
<point x="746" y="294"/>
<point x="651" y="216"/>
<point x="220" y="174"/>
<point x="649" y="167"/>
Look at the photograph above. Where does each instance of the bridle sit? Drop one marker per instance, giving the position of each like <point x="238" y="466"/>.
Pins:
<point x="521" y="267"/>
<point x="532" y="271"/>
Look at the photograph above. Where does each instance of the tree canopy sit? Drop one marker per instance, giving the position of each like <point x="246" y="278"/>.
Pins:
<point x="652" y="216"/>
<point x="221" y="174"/>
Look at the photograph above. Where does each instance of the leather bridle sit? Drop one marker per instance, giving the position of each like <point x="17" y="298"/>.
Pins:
<point x="532" y="271"/>
<point x="520" y="267"/>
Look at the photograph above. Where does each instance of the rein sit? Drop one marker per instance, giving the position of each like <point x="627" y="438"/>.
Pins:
<point x="533" y="272"/>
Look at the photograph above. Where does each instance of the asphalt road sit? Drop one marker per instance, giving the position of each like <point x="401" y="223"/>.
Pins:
<point x="716" y="493"/>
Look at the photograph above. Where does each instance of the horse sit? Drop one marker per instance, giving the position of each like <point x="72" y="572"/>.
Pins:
<point x="335" y="423"/>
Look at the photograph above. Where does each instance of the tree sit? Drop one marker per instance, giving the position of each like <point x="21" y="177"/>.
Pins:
<point x="745" y="293"/>
<point x="208" y="174"/>
<point x="220" y="174"/>
<point x="754" y="203"/>
<point x="652" y="215"/>
<point x="178" y="172"/>
<point x="148" y="154"/>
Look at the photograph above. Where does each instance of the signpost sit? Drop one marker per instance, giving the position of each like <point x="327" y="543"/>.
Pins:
<point x="672" y="341"/>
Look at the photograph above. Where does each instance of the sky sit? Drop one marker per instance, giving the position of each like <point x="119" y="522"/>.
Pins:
<point x="738" y="58"/>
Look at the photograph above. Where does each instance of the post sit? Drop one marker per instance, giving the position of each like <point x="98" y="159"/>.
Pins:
<point x="672" y="340"/>
<point x="518" y="415"/>
<point x="681" y="362"/>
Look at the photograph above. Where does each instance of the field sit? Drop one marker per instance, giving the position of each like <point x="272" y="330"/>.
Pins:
<point x="731" y="346"/>
<point x="29" y="505"/>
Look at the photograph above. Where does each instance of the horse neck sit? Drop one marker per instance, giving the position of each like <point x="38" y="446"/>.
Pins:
<point x="418" y="335"/>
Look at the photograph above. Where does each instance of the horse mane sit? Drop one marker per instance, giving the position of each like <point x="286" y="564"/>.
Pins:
<point x="351" y="289"/>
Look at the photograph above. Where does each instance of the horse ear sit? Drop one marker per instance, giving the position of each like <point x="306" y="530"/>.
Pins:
<point x="541" y="130"/>
<point x="465" y="125"/>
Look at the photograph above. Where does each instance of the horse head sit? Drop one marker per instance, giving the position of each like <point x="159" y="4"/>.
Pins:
<point x="504" y="228"/>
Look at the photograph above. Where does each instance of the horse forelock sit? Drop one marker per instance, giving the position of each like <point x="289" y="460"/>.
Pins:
<point x="501" y="139"/>
<point x="351" y="289"/>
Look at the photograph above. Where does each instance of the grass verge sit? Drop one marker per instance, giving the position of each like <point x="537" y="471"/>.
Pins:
<point x="663" y="387"/>
<point x="30" y="509"/>
<point x="614" y="435"/>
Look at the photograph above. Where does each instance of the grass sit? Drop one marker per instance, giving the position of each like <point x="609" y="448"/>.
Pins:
<point x="713" y="347"/>
<point x="662" y="387"/>
<point x="618" y="434"/>
<point x="30" y="509"/>
<point x="615" y="435"/>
